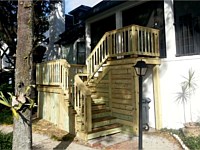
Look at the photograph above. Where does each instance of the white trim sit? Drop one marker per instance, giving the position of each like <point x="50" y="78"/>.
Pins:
<point x="181" y="58"/>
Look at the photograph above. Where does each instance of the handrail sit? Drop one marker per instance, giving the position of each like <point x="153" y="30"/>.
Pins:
<point x="130" y="40"/>
<point x="82" y="103"/>
<point x="53" y="73"/>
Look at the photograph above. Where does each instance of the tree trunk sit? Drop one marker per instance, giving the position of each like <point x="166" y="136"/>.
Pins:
<point x="22" y="129"/>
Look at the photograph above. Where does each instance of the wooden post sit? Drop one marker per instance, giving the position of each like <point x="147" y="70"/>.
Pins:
<point x="135" y="87"/>
<point x="110" y="90"/>
<point x="89" y="113"/>
<point x="157" y="97"/>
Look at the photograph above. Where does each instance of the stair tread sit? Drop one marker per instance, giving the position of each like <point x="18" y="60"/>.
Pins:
<point x="107" y="127"/>
<point x="97" y="104"/>
<point x="100" y="111"/>
<point x="103" y="119"/>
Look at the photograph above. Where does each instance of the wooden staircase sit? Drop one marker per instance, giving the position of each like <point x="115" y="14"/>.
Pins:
<point x="92" y="103"/>
<point x="88" y="100"/>
<point x="103" y="123"/>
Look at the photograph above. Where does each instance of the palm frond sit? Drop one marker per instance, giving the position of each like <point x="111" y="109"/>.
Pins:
<point x="3" y="100"/>
<point x="15" y="113"/>
<point x="190" y="81"/>
<point x="5" y="103"/>
<point x="3" y="97"/>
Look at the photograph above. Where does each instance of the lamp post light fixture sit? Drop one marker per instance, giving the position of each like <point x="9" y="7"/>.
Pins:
<point x="140" y="69"/>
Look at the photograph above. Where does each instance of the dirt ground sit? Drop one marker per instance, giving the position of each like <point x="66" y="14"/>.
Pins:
<point x="46" y="128"/>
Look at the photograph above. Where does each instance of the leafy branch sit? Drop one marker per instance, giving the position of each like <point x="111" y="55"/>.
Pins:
<point x="17" y="102"/>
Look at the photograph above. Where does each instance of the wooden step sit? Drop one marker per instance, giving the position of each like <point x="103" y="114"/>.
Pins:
<point x="98" y="106"/>
<point x="100" y="113"/>
<point x="99" y="101"/>
<point x="105" y="130"/>
<point x="103" y="121"/>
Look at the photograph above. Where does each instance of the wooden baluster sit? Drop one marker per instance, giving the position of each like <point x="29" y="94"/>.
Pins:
<point x="110" y="46"/>
<point x="125" y="41"/>
<point x="157" y="44"/>
<point x="142" y="41"/>
<point x="145" y="41"/>
<point x="148" y="42"/>
<point x="151" y="40"/>
<point x="75" y="96"/>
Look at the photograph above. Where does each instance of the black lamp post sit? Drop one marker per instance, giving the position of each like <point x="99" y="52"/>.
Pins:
<point x="140" y="69"/>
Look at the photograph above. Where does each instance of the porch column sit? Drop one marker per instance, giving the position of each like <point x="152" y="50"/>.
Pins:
<point x="157" y="97"/>
<point x="118" y="18"/>
<point x="169" y="28"/>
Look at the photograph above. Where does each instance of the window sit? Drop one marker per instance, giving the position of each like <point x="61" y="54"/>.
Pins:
<point x="81" y="53"/>
<point x="149" y="14"/>
<point x="188" y="35"/>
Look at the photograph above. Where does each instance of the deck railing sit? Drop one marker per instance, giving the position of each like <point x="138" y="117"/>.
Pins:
<point x="130" y="40"/>
<point x="53" y="73"/>
<point x="58" y="73"/>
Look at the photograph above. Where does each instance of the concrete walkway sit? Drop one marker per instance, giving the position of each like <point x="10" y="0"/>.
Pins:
<point x="43" y="142"/>
<point x="113" y="142"/>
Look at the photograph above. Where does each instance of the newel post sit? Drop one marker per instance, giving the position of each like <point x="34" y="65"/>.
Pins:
<point x="89" y="112"/>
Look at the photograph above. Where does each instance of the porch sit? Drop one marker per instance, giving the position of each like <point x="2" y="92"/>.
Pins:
<point x="101" y="97"/>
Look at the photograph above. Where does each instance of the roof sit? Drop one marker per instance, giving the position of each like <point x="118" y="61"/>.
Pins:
<point x="103" y="6"/>
<point x="77" y="30"/>
<point x="81" y="8"/>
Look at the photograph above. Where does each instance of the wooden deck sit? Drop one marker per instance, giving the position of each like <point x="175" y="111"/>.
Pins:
<point x="102" y="97"/>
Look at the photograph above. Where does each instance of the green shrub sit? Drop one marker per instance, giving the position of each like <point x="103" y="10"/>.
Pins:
<point x="6" y="116"/>
<point x="193" y="143"/>
<point x="6" y="141"/>
<point x="5" y="87"/>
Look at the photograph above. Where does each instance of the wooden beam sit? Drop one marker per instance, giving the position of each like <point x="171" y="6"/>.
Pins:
<point x="157" y="97"/>
<point x="50" y="89"/>
<point x="132" y="61"/>
<point x="135" y="100"/>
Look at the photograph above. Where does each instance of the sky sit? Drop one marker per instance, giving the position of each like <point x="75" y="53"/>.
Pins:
<point x="71" y="4"/>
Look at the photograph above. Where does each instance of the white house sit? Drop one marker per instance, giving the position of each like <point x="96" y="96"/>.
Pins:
<point x="117" y="35"/>
<point x="179" y="25"/>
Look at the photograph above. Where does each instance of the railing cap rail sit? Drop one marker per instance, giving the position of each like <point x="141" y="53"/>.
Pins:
<point x="81" y="85"/>
<point x="63" y="61"/>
